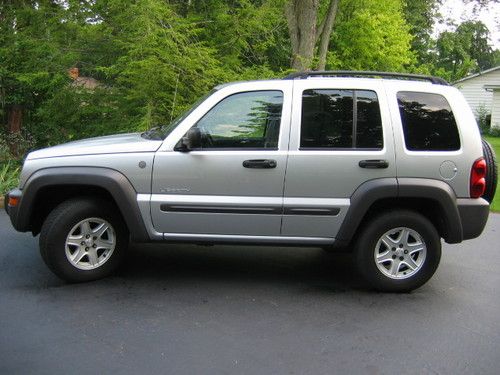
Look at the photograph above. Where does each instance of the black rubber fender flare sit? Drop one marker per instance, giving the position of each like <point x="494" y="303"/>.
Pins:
<point x="110" y="180"/>
<point x="371" y="191"/>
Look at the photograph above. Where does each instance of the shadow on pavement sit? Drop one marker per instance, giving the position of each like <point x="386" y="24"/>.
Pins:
<point x="332" y="272"/>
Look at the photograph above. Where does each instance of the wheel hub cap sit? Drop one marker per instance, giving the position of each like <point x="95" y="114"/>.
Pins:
<point x="90" y="243"/>
<point x="400" y="253"/>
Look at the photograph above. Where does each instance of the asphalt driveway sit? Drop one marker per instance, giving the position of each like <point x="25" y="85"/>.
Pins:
<point x="247" y="310"/>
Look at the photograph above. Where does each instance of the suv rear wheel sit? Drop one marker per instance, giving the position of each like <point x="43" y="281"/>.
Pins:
<point x="83" y="240"/>
<point x="398" y="251"/>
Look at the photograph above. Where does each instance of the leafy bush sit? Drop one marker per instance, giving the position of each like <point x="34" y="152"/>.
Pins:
<point x="9" y="175"/>
<point x="15" y="145"/>
<point x="74" y="113"/>
<point x="12" y="148"/>
<point x="483" y="120"/>
<point x="494" y="132"/>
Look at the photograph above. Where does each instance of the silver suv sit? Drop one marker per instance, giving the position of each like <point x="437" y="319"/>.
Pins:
<point x="381" y="164"/>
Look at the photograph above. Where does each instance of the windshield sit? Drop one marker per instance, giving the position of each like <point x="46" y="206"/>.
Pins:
<point x="162" y="132"/>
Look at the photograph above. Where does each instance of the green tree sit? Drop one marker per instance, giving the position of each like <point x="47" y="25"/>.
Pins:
<point x="353" y="34"/>
<point x="370" y="35"/>
<point x="149" y="64"/>
<point x="464" y="51"/>
<point x="31" y="60"/>
<point x="420" y="15"/>
<point x="248" y="37"/>
<point x="164" y="66"/>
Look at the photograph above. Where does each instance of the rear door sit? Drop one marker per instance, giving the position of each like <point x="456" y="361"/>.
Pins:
<point x="232" y="184"/>
<point x="341" y="137"/>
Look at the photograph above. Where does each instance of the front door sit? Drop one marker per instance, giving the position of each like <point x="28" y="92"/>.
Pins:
<point x="233" y="183"/>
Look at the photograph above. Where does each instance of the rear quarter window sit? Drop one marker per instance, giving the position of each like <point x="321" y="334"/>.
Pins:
<point x="428" y="122"/>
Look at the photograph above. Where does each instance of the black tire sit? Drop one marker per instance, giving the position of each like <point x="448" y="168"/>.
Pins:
<point x="366" y="244"/>
<point x="491" y="171"/>
<point x="58" y="225"/>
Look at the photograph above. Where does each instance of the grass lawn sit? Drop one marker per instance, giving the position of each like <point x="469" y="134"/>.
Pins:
<point x="495" y="142"/>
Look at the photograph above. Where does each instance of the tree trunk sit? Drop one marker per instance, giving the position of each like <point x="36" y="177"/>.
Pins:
<point x="302" y="18"/>
<point x="14" y="125"/>
<point x="326" y="33"/>
<point x="14" y="119"/>
<point x="305" y="33"/>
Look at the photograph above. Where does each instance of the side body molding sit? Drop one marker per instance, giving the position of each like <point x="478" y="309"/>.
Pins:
<point x="111" y="180"/>
<point x="374" y="190"/>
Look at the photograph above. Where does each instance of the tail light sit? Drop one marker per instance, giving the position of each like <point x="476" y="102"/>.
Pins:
<point x="477" y="178"/>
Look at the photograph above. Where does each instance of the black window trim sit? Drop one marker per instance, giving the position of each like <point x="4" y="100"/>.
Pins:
<point x="238" y="148"/>
<point x="234" y="149"/>
<point x="355" y="119"/>
<point x="355" y="125"/>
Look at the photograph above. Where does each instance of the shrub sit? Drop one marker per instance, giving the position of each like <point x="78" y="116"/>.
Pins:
<point x="9" y="175"/>
<point x="483" y="120"/>
<point x="15" y="145"/>
<point x="12" y="149"/>
<point x="494" y="132"/>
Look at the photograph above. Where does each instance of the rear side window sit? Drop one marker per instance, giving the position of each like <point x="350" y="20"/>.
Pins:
<point x="428" y="122"/>
<point x="340" y="119"/>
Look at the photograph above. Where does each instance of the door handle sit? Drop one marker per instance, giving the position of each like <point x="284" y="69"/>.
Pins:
<point x="260" y="163"/>
<point x="374" y="164"/>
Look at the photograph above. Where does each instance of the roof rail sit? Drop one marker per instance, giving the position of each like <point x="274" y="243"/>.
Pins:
<point x="349" y="73"/>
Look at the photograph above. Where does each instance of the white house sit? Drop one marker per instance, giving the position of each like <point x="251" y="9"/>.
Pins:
<point x="482" y="92"/>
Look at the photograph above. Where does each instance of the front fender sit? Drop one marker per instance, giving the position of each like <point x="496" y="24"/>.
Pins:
<point x="110" y="180"/>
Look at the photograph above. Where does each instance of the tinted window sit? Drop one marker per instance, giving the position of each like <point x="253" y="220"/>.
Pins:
<point x="244" y="120"/>
<point x="428" y="122"/>
<point x="369" y="123"/>
<point x="343" y="119"/>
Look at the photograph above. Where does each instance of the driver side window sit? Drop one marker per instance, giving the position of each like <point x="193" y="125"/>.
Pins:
<point x="249" y="120"/>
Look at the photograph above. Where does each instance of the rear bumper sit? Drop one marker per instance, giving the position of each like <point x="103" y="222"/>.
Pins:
<point x="473" y="215"/>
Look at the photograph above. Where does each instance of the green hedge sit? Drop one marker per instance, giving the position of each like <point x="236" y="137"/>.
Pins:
<point x="495" y="142"/>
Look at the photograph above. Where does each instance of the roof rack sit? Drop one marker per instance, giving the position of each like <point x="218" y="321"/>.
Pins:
<point x="349" y="73"/>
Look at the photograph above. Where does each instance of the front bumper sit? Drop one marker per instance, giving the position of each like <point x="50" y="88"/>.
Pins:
<point x="6" y="203"/>
<point x="13" y="211"/>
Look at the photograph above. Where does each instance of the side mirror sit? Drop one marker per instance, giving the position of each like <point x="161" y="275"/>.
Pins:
<point x="190" y="141"/>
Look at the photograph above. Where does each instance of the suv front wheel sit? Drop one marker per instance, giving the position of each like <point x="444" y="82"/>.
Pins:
<point x="83" y="240"/>
<point x="398" y="251"/>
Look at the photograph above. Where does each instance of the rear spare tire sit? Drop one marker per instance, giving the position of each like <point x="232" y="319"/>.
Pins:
<point x="491" y="172"/>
